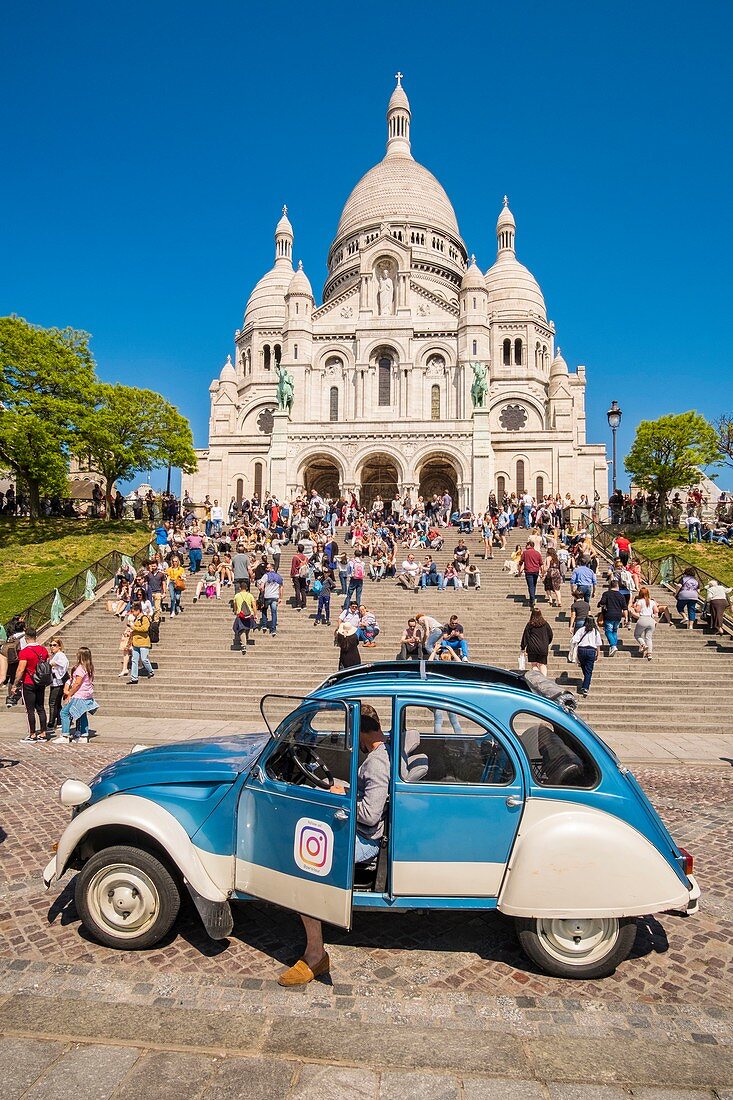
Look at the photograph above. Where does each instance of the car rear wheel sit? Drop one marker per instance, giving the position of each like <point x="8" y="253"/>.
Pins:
<point x="576" y="947"/>
<point x="126" y="897"/>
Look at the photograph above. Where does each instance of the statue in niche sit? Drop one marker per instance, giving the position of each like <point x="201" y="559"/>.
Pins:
<point x="285" y="389"/>
<point x="480" y="388"/>
<point x="385" y="293"/>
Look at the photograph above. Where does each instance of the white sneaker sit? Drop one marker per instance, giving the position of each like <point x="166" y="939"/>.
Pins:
<point x="60" y="740"/>
<point x="82" y="739"/>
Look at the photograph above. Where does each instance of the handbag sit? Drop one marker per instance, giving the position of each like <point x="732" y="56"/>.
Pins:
<point x="522" y="662"/>
<point x="179" y="584"/>
<point x="573" y="654"/>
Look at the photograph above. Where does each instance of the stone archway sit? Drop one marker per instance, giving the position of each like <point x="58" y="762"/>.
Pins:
<point x="379" y="477"/>
<point x="437" y="474"/>
<point x="322" y="474"/>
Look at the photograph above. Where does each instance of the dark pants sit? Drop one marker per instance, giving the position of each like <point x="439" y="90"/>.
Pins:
<point x="33" y="696"/>
<point x="586" y="660"/>
<point x="324" y="608"/>
<point x="531" y="579"/>
<point x="242" y="626"/>
<point x="410" y="653"/>
<point x="354" y="591"/>
<point x="301" y="590"/>
<point x="194" y="560"/>
<point x="55" y="699"/>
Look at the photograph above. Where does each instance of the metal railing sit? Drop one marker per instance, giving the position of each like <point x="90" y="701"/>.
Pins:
<point x="72" y="592"/>
<point x="665" y="570"/>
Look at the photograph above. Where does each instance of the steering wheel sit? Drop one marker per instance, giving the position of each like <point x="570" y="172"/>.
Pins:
<point x="311" y="766"/>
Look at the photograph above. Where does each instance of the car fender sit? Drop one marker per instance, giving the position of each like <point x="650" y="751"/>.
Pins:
<point x="570" y="859"/>
<point x="212" y="876"/>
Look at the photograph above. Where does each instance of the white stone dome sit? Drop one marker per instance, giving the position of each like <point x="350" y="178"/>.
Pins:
<point x="266" y="304"/>
<point x="300" y="283"/>
<point x="398" y="189"/>
<point x="473" y="279"/>
<point x="228" y="373"/>
<point x="559" y="366"/>
<point x="513" y="288"/>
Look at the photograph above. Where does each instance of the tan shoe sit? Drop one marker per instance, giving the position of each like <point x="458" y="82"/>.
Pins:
<point x="301" y="973"/>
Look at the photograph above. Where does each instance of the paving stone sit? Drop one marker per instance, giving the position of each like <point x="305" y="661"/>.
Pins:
<point x="334" y="1083"/>
<point x="635" y="1062"/>
<point x="412" y="1047"/>
<point x="588" y="1092"/>
<point x="93" y="1072"/>
<point x="488" y="1088"/>
<point x="137" y="1023"/>
<point x="428" y="1086"/>
<point x="248" y="1079"/>
<point x="166" y="1075"/>
<point x="643" y="1093"/>
<point x="22" y="1061"/>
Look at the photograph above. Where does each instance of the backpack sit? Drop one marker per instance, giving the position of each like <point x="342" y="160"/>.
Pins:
<point x="358" y="571"/>
<point x="303" y="571"/>
<point x="10" y="651"/>
<point x="154" y="632"/>
<point x="42" y="674"/>
<point x="317" y="587"/>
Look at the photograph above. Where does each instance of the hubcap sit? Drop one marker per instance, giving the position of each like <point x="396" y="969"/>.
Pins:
<point x="123" y="899"/>
<point x="578" y="940"/>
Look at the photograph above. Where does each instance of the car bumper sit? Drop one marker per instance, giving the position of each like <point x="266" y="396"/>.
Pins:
<point x="49" y="873"/>
<point x="694" y="902"/>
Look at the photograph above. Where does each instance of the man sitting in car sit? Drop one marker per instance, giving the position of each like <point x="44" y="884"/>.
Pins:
<point x="372" y="789"/>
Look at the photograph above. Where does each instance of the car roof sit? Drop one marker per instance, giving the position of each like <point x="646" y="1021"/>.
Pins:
<point x="428" y="672"/>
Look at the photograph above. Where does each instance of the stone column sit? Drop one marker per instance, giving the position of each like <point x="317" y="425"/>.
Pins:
<point x="279" y="454"/>
<point x="483" y="460"/>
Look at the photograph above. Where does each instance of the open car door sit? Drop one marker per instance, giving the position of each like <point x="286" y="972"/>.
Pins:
<point x="296" y="819"/>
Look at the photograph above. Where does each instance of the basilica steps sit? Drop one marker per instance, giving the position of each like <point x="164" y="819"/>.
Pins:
<point x="199" y="676"/>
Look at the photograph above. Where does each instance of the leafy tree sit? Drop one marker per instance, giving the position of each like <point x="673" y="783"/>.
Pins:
<point x="46" y="381"/>
<point x="667" y="453"/>
<point x="723" y="426"/>
<point x="129" y="429"/>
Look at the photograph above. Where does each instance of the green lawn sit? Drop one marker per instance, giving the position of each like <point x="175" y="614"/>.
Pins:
<point x="712" y="557"/>
<point x="38" y="555"/>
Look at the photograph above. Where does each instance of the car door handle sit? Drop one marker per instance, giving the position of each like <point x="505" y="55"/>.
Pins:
<point x="341" y="815"/>
<point x="514" y="800"/>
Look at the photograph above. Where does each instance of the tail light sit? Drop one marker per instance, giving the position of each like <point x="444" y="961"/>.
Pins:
<point x="687" y="861"/>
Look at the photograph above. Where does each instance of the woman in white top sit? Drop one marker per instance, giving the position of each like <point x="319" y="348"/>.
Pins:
<point x="59" y="674"/>
<point x="644" y="610"/>
<point x="587" y="643"/>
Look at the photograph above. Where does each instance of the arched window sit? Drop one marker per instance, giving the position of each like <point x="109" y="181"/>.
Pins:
<point x="539" y="488"/>
<point x="475" y="348"/>
<point x="435" y="403"/>
<point x="266" y="356"/>
<point x="507" y="353"/>
<point x="521" y="484"/>
<point x="385" y="380"/>
<point x="278" y="355"/>
<point x="333" y="404"/>
<point x="537" y="356"/>
<point x="258" y="479"/>
<point x="240" y="490"/>
<point x="295" y="351"/>
<point x="500" y="489"/>
<point x="518" y="352"/>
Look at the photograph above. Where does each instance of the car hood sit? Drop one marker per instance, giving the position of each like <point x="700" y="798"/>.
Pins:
<point x="210" y="760"/>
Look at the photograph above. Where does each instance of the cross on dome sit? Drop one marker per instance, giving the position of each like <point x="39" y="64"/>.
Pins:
<point x="285" y="209"/>
<point x="506" y="200"/>
<point x="473" y="257"/>
<point x="398" y="77"/>
<point x="300" y="265"/>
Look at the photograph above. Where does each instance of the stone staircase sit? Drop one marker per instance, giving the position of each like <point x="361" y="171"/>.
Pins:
<point x="683" y="690"/>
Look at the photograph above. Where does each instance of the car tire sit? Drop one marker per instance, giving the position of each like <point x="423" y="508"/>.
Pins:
<point x="126" y="898"/>
<point x="577" y="947"/>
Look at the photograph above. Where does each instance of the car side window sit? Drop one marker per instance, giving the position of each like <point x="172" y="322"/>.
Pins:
<point x="556" y="757"/>
<point x="441" y="745"/>
<point x="308" y="735"/>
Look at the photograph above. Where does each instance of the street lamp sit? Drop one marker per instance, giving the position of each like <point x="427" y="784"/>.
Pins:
<point x="614" y="419"/>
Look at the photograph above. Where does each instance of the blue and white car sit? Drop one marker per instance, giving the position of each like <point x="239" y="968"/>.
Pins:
<point x="499" y="799"/>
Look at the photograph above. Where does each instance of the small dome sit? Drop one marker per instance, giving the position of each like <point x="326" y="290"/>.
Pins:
<point x="506" y="218"/>
<point x="214" y="385"/>
<point x="559" y="366"/>
<point x="512" y="288"/>
<point x="283" y="227"/>
<point x="266" y="304"/>
<point x="472" y="278"/>
<point x="300" y="284"/>
<point x="228" y="373"/>
<point x="398" y="100"/>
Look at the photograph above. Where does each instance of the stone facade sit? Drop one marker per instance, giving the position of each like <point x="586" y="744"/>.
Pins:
<point x="383" y="368"/>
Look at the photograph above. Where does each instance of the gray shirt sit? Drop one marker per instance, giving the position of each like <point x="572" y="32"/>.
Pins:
<point x="372" y="788"/>
<point x="240" y="564"/>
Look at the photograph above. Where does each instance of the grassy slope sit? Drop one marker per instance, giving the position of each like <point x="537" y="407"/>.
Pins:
<point x="37" y="556"/>
<point x="713" y="558"/>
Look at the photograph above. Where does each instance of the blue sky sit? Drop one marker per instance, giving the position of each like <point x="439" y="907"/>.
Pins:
<point x="148" y="149"/>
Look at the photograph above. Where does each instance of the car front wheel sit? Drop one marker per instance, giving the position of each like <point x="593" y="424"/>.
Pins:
<point x="126" y="897"/>
<point x="576" y="947"/>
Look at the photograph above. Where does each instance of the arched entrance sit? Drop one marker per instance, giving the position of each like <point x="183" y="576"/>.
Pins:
<point x="437" y="475"/>
<point x="323" y="475"/>
<point x="379" y="477"/>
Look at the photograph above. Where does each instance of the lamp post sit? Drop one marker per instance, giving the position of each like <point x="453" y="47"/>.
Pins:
<point x="614" y="419"/>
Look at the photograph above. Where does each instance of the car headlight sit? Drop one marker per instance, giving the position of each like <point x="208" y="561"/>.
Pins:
<point x="74" y="793"/>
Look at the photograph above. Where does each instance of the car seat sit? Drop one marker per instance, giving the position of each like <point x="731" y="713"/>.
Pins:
<point x="413" y="762"/>
<point x="561" y="767"/>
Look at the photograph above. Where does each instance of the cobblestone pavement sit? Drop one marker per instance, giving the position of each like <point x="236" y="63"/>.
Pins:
<point x="452" y="979"/>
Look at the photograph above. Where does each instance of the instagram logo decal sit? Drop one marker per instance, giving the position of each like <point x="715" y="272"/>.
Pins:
<point x="313" y="847"/>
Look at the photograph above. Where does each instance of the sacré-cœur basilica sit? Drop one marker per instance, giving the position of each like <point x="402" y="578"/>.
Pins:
<point x="418" y="372"/>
